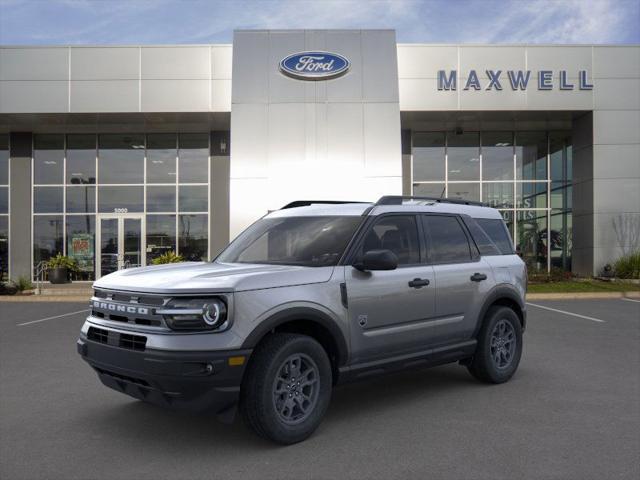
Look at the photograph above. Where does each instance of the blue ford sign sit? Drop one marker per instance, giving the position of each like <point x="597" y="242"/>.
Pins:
<point x="314" y="65"/>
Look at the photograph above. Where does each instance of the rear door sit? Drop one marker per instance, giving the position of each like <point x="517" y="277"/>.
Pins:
<point x="462" y="277"/>
<point x="389" y="310"/>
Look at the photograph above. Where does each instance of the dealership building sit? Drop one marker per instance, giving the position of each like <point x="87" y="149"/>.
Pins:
<point x="115" y="155"/>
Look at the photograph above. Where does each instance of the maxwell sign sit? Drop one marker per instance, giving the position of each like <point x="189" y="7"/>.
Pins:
<point x="516" y="79"/>
<point x="314" y="65"/>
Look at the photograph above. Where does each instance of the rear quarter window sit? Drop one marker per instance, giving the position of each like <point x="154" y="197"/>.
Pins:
<point x="497" y="231"/>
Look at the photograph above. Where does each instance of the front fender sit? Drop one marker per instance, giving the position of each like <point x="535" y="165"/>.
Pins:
<point x="297" y="311"/>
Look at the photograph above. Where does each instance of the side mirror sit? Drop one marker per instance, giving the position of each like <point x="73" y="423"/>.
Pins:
<point x="377" y="260"/>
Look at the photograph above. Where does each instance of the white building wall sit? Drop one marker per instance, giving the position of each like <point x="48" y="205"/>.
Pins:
<point x="115" y="79"/>
<point x="295" y="139"/>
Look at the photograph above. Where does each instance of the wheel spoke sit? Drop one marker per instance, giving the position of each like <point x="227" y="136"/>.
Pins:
<point x="296" y="388"/>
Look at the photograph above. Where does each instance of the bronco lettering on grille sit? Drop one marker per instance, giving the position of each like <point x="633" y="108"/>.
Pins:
<point x="116" y="307"/>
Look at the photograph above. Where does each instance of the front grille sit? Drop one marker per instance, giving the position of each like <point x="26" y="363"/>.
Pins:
<point x="98" y="335"/>
<point x="122" y="340"/>
<point x="133" y="342"/>
<point x="130" y="298"/>
<point x="128" y="308"/>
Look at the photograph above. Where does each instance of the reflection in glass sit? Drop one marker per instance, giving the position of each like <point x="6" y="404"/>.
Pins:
<point x="193" y="198"/>
<point x="4" y="199"/>
<point x="193" y="157"/>
<point x="47" y="200"/>
<point x="498" y="195"/>
<point x="132" y="255"/>
<point x="47" y="237"/>
<point x="531" y="155"/>
<point x="81" y="245"/>
<point x="464" y="191"/>
<point x="81" y="199"/>
<point x="4" y="159"/>
<point x="161" y="199"/>
<point x="561" y="239"/>
<point x="497" y="156"/>
<point x="108" y="245"/>
<point x="81" y="159"/>
<point x="560" y="156"/>
<point x="532" y="238"/>
<point x="463" y="156"/>
<point x="428" y="157"/>
<point x="4" y="247"/>
<point x="531" y="195"/>
<point x="161" y="235"/>
<point x="193" y="237"/>
<point x="508" y="217"/>
<point x="121" y="158"/>
<point x="435" y="190"/>
<point x="112" y="198"/>
<point x="161" y="158"/>
<point x="561" y="195"/>
<point x="48" y="159"/>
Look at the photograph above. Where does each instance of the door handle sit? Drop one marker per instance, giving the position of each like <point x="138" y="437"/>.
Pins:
<point x="478" y="277"/>
<point x="418" y="283"/>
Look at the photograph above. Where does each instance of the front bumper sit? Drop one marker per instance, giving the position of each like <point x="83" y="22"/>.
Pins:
<point x="194" y="381"/>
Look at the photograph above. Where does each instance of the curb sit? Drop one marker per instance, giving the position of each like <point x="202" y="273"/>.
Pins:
<point x="44" y="298"/>
<point x="581" y="295"/>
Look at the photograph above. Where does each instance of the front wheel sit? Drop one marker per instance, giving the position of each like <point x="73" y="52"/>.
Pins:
<point x="499" y="346"/>
<point x="287" y="388"/>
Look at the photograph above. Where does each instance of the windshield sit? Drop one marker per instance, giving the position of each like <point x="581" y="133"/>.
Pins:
<point x="305" y="241"/>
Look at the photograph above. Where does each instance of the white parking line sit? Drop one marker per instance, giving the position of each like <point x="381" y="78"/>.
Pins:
<point x="52" y="318"/>
<point x="566" y="313"/>
<point x="630" y="300"/>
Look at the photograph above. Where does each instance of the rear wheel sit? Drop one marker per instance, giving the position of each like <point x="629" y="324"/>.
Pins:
<point x="287" y="388"/>
<point x="499" y="346"/>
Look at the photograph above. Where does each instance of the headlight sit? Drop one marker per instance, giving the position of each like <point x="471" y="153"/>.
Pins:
<point x="195" y="314"/>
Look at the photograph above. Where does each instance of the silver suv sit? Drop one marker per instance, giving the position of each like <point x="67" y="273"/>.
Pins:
<point x="314" y="294"/>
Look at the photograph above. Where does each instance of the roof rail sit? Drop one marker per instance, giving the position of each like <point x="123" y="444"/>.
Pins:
<point x="398" y="199"/>
<point x="306" y="203"/>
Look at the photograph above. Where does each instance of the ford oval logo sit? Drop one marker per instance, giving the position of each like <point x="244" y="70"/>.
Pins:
<point x="314" y="65"/>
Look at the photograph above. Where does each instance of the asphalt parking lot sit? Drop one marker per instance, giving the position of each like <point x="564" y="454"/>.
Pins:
<point x="571" y="411"/>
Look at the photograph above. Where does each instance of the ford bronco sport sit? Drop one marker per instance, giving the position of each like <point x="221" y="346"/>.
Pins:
<point x="309" y="296"/>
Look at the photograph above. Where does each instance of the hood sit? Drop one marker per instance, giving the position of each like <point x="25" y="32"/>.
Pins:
<point x="204" y="277"/>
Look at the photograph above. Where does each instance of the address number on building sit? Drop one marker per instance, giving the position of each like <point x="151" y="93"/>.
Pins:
<point x="120" y="210"/>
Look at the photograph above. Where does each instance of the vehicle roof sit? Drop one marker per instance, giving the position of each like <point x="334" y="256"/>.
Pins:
<point x="357" y="209"/>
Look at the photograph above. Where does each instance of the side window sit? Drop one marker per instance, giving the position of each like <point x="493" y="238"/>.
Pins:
<point x="448" y="242"/>
<point x="497" y="232"/>
<point x="398" y="234"/>
<point x="482" y="240"/>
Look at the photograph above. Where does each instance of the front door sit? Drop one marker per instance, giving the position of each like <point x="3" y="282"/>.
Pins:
<point x="390" y="312"/>
<point x="120" y="240"/>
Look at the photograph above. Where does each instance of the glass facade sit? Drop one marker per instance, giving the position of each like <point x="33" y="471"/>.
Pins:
<point x="117" y="200"/>
<point x="526" y="175"/>
<point x="4" y="206"/>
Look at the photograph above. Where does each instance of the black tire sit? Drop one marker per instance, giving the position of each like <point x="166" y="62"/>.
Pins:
<point x="496" y="361"/>
<point x="262" y="403"/>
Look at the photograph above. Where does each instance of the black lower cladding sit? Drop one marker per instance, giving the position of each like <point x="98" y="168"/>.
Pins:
<point x="196" y="381"/>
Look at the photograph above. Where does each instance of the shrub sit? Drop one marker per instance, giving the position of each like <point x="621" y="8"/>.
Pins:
<point x="62" y="261"/>
<point x="628" y="266"/>
<point x="555" y="275"/>
<point x="22" y="284"/>
<point x="169" y="257"/>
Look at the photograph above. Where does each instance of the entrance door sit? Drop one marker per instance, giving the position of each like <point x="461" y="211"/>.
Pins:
<point x="120" y="238"/>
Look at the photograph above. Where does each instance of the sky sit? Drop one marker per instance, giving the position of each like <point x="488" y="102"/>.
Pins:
<point x="120" y="22"/>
